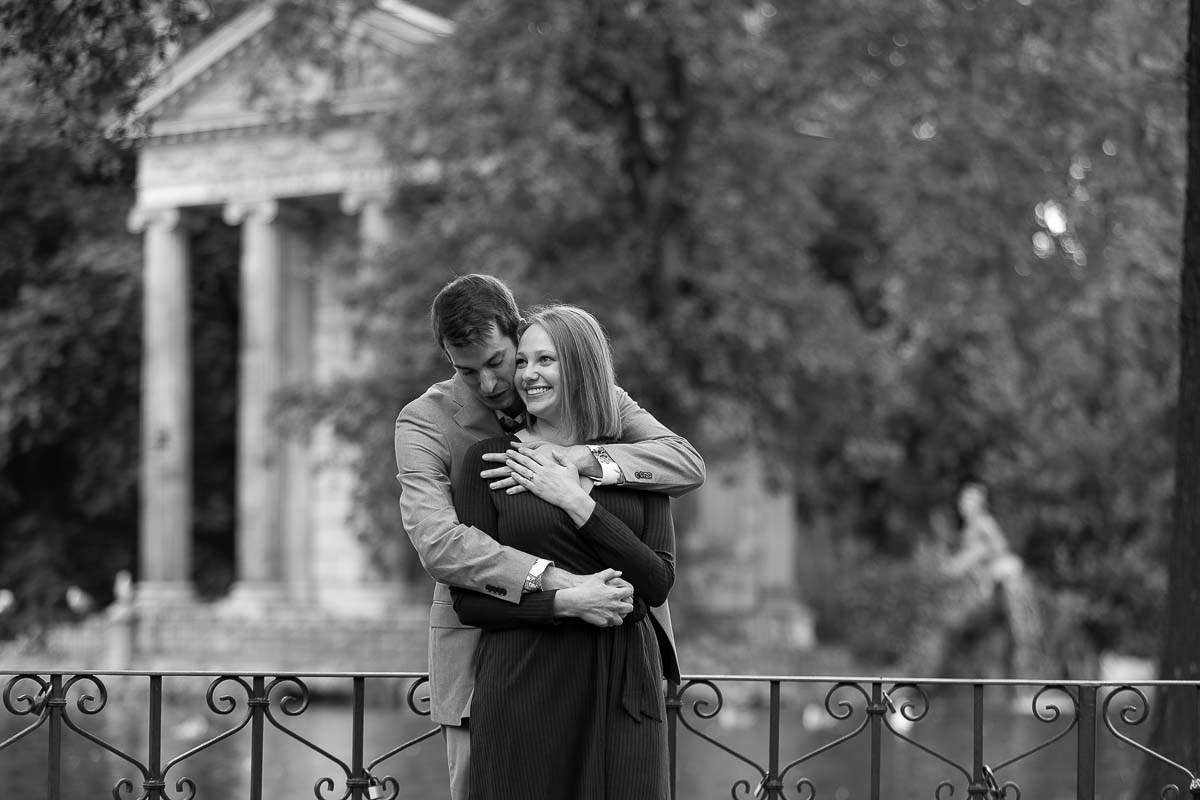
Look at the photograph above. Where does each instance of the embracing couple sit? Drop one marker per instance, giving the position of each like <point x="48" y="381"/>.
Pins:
<point x="536" y="493"/>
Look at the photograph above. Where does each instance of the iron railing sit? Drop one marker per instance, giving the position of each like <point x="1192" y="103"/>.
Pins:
<point x="772" y="734"/>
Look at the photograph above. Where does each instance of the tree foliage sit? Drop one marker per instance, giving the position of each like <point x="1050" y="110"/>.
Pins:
<point x="893" y="246"/>
<point x="888" y="245"/>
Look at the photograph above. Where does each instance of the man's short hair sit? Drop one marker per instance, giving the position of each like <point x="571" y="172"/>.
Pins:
<point x="589" y="403"/>
<point x="465" y="309"/>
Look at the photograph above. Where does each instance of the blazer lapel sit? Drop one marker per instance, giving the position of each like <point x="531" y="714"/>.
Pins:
<point x="473" y="416"/>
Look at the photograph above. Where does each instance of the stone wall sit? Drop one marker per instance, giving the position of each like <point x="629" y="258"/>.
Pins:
<point x="207" y="636"/>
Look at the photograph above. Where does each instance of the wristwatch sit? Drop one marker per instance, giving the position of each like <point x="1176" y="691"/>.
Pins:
<point x="610" y="471"/>
<point x="533" y="581"/>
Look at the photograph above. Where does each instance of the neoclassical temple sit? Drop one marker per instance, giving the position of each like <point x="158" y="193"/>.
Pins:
<point x="268" y="147"/>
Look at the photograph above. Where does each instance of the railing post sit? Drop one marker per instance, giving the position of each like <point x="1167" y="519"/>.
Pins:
<point x="978" y="787"/>
<point x="1085" y="769"/>
<point x="258" y="710"/>
<point x="771" y="783"/>
<point x="56" y="703"/>
<point x="673" y="706"/>
<point x="154" y="783"/>
<point x="878" y="709"/>
<point x="358" y="781"/>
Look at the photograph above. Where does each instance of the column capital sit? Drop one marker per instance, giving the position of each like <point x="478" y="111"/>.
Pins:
<point x="353" y="202"/>
<point x="235" y="213"/>
<point x="140" y="218"/>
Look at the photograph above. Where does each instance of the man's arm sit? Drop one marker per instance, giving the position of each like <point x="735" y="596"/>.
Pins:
<point x="651" y="456"/>
<point x="648" y="456"/>
<point x="453" y="553"/>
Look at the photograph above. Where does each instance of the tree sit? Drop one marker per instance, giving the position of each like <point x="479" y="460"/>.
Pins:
<point x="1176" y="732"/>
<point x="70" y="293"/>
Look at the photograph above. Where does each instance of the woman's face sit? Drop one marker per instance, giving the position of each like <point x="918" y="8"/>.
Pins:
<point x="537" y="377"/>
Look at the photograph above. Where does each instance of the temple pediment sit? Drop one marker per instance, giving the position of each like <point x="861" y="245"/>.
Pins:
<point x="233" y="80"/>
<point x="230" y="120"/>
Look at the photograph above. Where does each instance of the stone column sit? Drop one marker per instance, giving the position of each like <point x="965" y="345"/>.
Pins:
<point x="374" y="224"/>
<point x="347" y="582"/>
<point x="164" y="540"/>
<point x="259" y="480"/>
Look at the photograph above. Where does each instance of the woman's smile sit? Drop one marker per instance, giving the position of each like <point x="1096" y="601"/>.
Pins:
<point x="537" y="373"/>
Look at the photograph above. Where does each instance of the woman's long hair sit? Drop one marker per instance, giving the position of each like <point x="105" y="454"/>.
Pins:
<point x="588" y="391"/>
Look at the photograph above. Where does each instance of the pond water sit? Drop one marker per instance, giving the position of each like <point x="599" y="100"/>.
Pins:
<point x="292" y="770"/>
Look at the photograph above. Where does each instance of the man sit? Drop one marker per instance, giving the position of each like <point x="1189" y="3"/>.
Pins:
<point x="475" y="320"/>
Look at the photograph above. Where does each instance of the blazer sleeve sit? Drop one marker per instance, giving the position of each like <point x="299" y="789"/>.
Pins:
<point x="651" y="456"/>
<point x="646" y="561"/>
<point x="451" y="552"/>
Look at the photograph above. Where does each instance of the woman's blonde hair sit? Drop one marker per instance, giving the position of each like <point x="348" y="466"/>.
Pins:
<point x="589" y="397"/>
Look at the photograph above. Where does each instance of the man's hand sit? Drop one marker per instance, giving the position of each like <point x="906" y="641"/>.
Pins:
<point x="580" y="455"/>
<point x="601" y="599"/>
<point x="499" y="476"/>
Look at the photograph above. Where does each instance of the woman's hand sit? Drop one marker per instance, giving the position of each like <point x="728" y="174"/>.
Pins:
<point x="554" y="479"/>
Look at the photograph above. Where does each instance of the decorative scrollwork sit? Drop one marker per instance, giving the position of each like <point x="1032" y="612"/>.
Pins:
<point x="291" y="704"/>
<point x="124" y="785"/>
<point x="1136" y="715"/>
<point x="416" y="707"/>
<point x="24" y="704"/>
<point x="946" y="786"/>
<point x="424" y="710"/>
<point x="743" y="785"/>
<point x="189" y="785"/>
<point x="1130" y="714"/>
<point x="1048" y="713"/>
<point x="805" y="783"/>
<point x="845" y="711"/>
<point x="90" y="705"/>
<point x="391" y="786"/>
<point x="847" y="708"/>
<point x="87" y="703"/>
<point x="401" y="748"/>
<point x="223" y="705"/>
<point x="1010" y="786"/>
<point x="912" y="710"/>
<point x="700" y="708"/>
<point x="325" y="783"/>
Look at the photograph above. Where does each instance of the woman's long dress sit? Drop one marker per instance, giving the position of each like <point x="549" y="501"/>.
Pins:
<point x="568" y="710"/>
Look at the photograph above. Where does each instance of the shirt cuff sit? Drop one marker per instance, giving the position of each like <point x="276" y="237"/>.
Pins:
<point x="610" y="473"/>
<point x="533" y="581"/>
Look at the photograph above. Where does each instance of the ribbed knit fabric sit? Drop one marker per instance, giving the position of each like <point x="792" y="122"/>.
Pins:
<point x="568" y="711"/>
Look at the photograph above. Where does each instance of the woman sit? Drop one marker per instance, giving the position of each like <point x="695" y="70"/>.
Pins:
<point x="573" y="710"/>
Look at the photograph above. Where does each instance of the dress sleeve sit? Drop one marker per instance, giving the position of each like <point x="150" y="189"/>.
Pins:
<point x="475" y="504"/>
<point x="648" y="561"/>
<point x="536" y="610"/>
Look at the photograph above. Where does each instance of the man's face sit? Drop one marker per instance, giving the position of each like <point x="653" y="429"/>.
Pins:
<point x="487" y="367"/>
